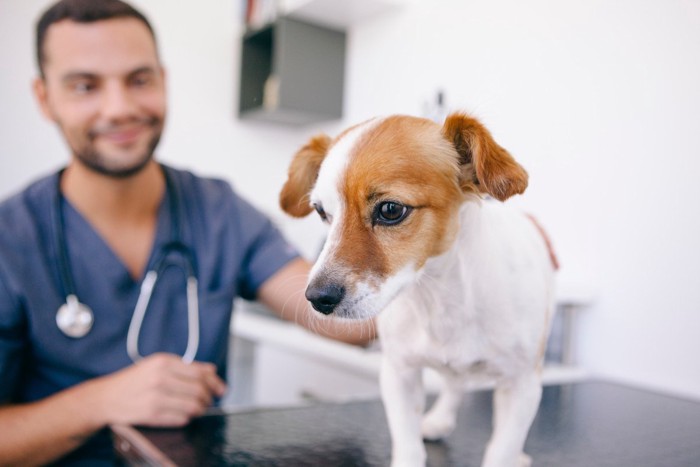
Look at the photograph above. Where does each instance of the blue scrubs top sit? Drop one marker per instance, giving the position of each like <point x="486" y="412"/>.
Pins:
<point x="235" y="248"/>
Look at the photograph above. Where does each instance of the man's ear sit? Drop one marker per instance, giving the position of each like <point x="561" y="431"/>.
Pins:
<point x="302" y="174"/>
<point x="485" y="166"/>
<point x="40" y="93"/>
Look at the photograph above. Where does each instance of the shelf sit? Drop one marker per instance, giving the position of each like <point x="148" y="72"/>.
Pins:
<point x="292" y="72"/>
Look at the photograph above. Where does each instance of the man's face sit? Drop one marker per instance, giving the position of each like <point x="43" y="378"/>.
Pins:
<point x="105" y="88"/>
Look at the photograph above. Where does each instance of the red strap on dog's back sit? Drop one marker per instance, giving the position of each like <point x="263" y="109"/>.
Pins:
<point x="552" y="255"/>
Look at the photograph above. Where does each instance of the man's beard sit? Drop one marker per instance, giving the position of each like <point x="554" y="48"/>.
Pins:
<point x="89" y="156"/>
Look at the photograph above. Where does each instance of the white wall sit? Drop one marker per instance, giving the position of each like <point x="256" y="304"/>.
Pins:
<point x="598" y="99"/>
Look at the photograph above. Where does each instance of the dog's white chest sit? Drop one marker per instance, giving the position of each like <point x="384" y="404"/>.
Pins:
<point x="453" y="345"/>
<point x="448" y="350"/>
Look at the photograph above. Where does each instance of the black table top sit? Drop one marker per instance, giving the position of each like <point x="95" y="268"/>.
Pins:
<point x="582" y="424"/>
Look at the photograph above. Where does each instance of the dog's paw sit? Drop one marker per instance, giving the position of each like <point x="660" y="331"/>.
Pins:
<point x="494" y="460"/>
<point x="435" y="427"/>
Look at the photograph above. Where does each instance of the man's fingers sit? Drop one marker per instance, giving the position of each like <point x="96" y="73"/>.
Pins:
<point x="165" y="391"/>
<point x="199" y="380"/>
<point x="216" y="385"/>
<point x="206" y="373"/>
<point x="173" y="410"/>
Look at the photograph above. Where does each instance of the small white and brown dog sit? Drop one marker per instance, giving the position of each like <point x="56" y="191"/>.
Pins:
<point x="464" y="285"/>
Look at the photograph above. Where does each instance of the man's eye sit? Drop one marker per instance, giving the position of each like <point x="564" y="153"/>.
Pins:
<point x="321" y="213"/>
<point x="390" y="213"/>
<point x="142" y="80"/>
<point x="82" y="87"/>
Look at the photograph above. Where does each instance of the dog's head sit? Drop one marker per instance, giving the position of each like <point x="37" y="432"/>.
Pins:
<point x="390" y="190"/>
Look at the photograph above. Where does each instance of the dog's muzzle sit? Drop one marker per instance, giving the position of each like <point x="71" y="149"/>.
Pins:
<point x="325" y="297"/>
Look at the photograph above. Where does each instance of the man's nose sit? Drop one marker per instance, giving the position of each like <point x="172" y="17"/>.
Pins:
<point x="117" y="102"/>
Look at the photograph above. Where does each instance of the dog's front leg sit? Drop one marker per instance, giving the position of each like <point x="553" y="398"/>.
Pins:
<point x="404" y="402"/>
<point x="441" y="419"/>
<point x="515" y="404"/>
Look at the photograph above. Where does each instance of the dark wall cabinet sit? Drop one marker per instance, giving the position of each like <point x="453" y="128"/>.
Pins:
<point x="292" y="72"/>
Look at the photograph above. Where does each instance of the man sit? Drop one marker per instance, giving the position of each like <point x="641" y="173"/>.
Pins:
<point x="92" y="231"/>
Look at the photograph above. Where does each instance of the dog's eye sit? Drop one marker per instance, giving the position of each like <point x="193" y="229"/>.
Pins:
<point x="321" y="212"/>
<point x="390" y="213"/>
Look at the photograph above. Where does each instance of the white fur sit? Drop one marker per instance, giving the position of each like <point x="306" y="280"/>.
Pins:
<point x="329" y="177"/>
<point x="482" y="308"/>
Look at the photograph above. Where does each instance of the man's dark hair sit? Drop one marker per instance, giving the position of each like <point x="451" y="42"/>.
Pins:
<point x="82" y="11"/>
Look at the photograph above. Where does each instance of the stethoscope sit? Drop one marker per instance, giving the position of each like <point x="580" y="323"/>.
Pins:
<point x="75" y="319"/>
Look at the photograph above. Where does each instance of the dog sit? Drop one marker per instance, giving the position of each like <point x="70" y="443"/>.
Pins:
<point x="464" y="282"/>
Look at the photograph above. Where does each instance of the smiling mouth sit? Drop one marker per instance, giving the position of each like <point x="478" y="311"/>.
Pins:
<point x="126" y="134"/>
<point x="123" y="137"/>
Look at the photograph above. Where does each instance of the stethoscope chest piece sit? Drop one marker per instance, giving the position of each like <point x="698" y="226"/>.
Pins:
<point x="74" y="319"/>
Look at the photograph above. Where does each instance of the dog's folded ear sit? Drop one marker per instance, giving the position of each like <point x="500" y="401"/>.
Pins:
<point x="485" y="166"/>
<point x="302" y="174"/>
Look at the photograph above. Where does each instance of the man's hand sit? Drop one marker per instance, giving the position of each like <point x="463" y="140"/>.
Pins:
<point x="160" y="390"/>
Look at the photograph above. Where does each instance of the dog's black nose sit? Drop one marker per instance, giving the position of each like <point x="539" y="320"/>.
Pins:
<point x="325" y="298"/>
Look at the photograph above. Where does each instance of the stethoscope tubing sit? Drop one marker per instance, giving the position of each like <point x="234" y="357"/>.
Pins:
<point x="145" y="293"/>
<point x="75" y="319"/>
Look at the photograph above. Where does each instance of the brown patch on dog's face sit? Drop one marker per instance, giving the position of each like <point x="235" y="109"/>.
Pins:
<point x="405" y="161"/>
